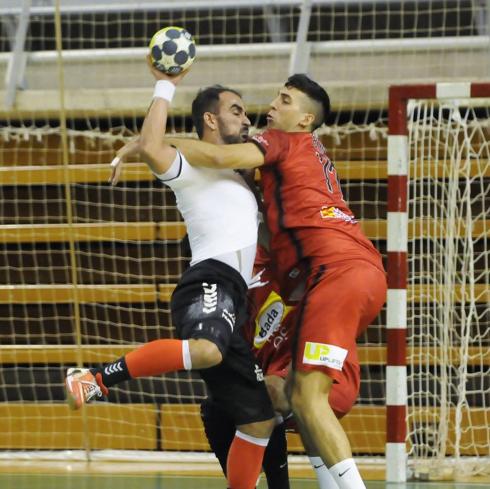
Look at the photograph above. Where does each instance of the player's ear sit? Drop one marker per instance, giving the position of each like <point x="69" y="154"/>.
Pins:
<point x="307" y="120"/>
<point x="210" y="121"/>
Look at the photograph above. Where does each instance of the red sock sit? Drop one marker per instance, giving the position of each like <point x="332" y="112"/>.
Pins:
<point x="245" y="461"/>
<point x="156" y="358"/>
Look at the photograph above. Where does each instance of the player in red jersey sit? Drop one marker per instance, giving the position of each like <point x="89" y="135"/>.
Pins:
<point x="313" y="233"/>
<point x="269" y="333"/>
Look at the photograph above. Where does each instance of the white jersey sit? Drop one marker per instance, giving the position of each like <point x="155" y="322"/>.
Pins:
<point x="220" y="212"/>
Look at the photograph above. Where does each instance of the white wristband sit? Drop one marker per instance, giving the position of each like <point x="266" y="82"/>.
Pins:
<point x="115" y="161"/>
<point x="164" y="89"/>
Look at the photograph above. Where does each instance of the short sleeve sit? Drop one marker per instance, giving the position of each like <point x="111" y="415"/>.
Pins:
<point x="180" y="172"/>
<point x="274" y="144"/>
<point x="173" y="171"/>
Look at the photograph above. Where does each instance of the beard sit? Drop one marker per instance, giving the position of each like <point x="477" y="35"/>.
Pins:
<point x="231" y="138"/>
<point x="235" y="138"/>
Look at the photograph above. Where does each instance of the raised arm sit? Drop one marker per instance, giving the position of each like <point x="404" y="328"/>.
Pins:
<point x="154" y="150"/>
<point x="150" y="145"/>
<point x="200" y="153"/>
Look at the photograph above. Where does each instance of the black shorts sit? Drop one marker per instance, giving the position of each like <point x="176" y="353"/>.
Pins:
<point x="210" y="302"/>
<point x="237" y="385"/>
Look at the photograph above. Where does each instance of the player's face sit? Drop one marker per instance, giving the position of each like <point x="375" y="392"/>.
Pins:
<point x="287" y="111"/>
<point x="233" y="123"/>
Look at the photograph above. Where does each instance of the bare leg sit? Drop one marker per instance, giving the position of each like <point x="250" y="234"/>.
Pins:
<point x="316" y="418"/>
<point x="320" y="427"/>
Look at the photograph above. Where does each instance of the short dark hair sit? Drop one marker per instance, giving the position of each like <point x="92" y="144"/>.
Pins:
<point x="207" y="100"/>
<point x="314" y="92"/>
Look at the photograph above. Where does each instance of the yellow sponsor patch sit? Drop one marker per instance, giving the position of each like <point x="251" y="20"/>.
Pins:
<point x="322" y="354"/>
<point x="269" y="319"/>
<point x="334" y="213"/>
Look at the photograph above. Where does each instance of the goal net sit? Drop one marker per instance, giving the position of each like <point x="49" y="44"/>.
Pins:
<point x="87" y="270"/>
<point x="448" y="308"/>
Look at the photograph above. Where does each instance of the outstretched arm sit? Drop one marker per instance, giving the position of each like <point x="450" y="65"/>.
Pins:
<point x="237" y="156"/>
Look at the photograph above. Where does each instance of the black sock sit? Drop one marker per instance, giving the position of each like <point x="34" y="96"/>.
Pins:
<point x="113" y="373"/>
<point x="276" y="459"/>
<point x="220" y="430"/>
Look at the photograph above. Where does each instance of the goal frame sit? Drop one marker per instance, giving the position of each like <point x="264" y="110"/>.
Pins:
<point x="397" y="258"/>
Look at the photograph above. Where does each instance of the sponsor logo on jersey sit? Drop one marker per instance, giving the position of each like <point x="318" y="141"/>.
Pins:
<point x="269" y="319"/>
<point x="322" y="354"/>
<point x="261" y="140"/>
<point x="334" y="213"/>
<point x="210" y="297"/>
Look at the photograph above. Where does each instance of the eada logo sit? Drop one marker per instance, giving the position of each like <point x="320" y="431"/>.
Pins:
<point x="269" y="319"/>
<point x="322" y="354"/>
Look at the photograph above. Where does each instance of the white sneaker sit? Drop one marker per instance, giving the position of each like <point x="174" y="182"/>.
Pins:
<point x="81" y="387"/>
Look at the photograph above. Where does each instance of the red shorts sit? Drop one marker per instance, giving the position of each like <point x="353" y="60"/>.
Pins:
<point x="339" y="303"/>
<point x="270" y="333"/>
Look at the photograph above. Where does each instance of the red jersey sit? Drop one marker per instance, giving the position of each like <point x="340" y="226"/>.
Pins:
<point x="309" y="221"/>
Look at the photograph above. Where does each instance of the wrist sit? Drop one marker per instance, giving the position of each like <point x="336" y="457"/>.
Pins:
<point x="164" y="89"/>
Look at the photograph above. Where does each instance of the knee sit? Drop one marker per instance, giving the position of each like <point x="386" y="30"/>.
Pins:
<point x="204" y="354"/>
<point x="309" y="393"/>
<point x="260" y="429"/>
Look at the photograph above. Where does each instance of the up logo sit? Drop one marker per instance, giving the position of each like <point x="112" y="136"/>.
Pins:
<point x="321" y="354"/>
<point x="269" y="319"/>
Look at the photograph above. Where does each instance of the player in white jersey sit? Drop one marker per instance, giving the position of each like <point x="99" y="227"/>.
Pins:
<point x="209" y="303"/>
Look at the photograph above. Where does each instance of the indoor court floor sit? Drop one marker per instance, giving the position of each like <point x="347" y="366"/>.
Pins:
<point x="158" y="481"/>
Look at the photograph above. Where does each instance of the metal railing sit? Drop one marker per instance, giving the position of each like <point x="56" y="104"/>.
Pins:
<point x="47" y="7"/>
<point x="16" y="16"/>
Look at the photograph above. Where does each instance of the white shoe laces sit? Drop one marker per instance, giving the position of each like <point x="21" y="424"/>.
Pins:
<point x="90" y="389"/>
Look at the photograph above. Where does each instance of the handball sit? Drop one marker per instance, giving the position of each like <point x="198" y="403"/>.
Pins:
<point x="172" y="50"/>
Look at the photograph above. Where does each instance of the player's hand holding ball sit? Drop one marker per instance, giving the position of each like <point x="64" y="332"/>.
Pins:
<point x="172" y="52"/>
